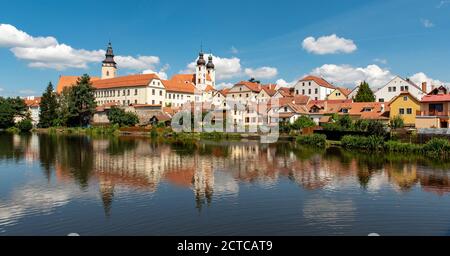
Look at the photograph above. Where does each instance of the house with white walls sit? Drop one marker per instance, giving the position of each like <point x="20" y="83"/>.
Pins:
<point x="314" y="87"/>
<point x="397" y="86"/>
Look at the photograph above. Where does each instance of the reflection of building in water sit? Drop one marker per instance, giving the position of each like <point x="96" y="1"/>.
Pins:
<point x="107" y="194"/>
<point x="404" y="175"/>
<point x="435" y="181"/>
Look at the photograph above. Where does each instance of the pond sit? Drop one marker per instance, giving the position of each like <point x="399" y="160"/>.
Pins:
<point x="59" y="184"/>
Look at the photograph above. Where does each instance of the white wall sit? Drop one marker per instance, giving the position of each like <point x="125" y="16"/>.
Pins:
<point x="395" y="85"/>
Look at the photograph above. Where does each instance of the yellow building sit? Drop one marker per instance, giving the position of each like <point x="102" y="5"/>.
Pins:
<point x="406" y="106"/>
<point x="339" y="94"/>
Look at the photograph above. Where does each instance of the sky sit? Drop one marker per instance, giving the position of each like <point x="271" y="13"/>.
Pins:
<point x="343" y="41"/>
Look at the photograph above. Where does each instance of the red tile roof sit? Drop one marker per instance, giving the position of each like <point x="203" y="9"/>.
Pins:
<point x="436" y="98"/>
<point x="320" y="81"/>
<point x="255" y="87"/>
<point x="33" y="103"/>
<point x="69" y="81"/>
<point x="286" y="92"/>
<point x="344" y="91"/>
<point x="179" y="86"/>
<point x="125" y="81"/>
<point x="270" y="89"/>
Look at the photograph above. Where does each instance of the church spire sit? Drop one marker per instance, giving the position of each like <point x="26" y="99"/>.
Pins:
<point x="109" y="56"/>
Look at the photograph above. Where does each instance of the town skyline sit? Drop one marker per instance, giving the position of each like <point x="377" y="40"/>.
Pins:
<point x="343" y="54"/>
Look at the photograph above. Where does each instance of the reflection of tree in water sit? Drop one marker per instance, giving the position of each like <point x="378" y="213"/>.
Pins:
<point x="120" y="145"/>
<point x="11" y="150"/>
<point x="76" y="154"/>
<point x="48" y="153"/>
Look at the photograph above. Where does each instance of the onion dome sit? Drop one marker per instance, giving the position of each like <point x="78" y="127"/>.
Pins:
<point x="201" y="60"/>
<point x="210" y="64"/>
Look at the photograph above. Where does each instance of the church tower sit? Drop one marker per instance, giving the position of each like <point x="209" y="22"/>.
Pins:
<point x="200" y="72"/>
<point x="109" y="66"/>
<point x="211" y="69"/>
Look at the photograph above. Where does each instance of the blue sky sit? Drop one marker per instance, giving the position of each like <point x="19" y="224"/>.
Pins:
<point x="349" y="40"/>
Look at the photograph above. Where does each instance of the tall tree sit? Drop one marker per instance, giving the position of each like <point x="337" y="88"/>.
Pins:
<point x="10" y="108"/>
<point x="48" y="108"/>
<point x="365" y="94"/>
<point x="82" y="102"/>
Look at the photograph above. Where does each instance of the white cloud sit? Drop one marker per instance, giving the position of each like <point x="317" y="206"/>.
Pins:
<point x="328" y="45"/>
<point x="234" y="50"/>
<point x="58" y="56"/>
<point x="427" y="23"/>
<point x="284" y="83"/>
<point x="226" y="68"/>
<point x="139" y="63"/>
<point x="11" y="37"/>
<point x="443" y="3"/>
<point x="46" y="52"/>
<point x="381" y="61"/>
<point x="421" y="77"/>
<point x="348" y="75"/>
<point x="261" y="73"/>
<point x="162" y="72"/>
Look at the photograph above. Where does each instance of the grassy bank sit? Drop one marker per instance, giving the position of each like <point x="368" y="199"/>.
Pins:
<point x="107" y="130"/>
<point x="437" y="148"/>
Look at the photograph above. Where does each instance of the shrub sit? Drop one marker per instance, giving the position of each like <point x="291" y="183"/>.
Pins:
<point x="397" y="122"/>
<point x="400" y="147"/>
<point x="25" y="125"/>
<point x="303" y="122"/>
<point x="318" y="140"/>
<point x="371" y="143"/>
<point x="120" y="117"/>
<point x="376" y="128"/>
<point x="437" y="147"/>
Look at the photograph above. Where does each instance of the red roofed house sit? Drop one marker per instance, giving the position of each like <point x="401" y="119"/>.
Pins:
<point x="315" y="87"/>
<point x="435" y="110"/>
<point x="33" y="104"/>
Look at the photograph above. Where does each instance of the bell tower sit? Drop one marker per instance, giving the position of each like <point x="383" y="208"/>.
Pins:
<point x="200" y="73"/>
<point x="109" y="66"/>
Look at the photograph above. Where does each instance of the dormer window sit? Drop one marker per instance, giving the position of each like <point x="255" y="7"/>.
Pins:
<point x="344" y="110"/>
<point x="367" y="109"/>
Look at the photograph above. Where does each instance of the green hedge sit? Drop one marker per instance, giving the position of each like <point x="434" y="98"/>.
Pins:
<point x="318" y="140"/>
<point x="370" y="143"/>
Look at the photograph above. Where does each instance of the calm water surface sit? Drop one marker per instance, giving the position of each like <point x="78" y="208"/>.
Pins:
<point x="56" y="185"/>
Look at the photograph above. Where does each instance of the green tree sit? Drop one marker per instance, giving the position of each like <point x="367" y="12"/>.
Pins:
<point x="120" y="117"/>
<point x="11" y="108"/>
<point x="25" y="125"/>
<point x="303" y="122"/>
<point x="345" y="122"/>
<point x="81" y="102"/>
<point x="63" y="111"/>
<point x="397" y="122"/>
<point x="365" y="94"/>
<point x="48" y="108"/>
<point x="376" y="128"/>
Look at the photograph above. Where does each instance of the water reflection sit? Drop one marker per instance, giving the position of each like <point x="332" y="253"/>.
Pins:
<point x="211" y="171"/>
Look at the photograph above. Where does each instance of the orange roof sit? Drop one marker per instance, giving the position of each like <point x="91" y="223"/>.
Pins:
<point x="179" y="86"/>
<point x="107" y="106"/>
<point x="145" y="105"/>
<point x="255" y="87"/>
<point x="184" y="78"/>
<point x="69" y="81"/>
<point x="286" y="91"/>
<point x="33" y="103"/>
<point x="270" y="89"/>
<point x="320" y="81"/>
<point x="209" y="88"/>
<point x="436" y="98"/>
<point x="224" y="92"/>
<point x="344" y="91"/>
<point x="125" y="81"/>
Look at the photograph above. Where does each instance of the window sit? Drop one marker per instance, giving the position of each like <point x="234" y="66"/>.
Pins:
<point x="128" y="92"/>
<point x="124" y="93"/>
<point x="317" y="98"/>
<point x="136" y="92"/>
<point x="107" y="73"/>
<point x="303" y="83"/>
<point x="309" y="91"/>
<point x="247" y="120"/>
<point x="160" y="102"/>
<point x="317" y="91"/>
<point x="128" y="102"/>
<point x="153" y="91"/>
<point x="394" y="89"/>
<point x="405" y="98"/>
<point x="153" y="102"/>
<point x="246" y="95"/>
<point x="402" y="111"/>
<point x="135" y="101"/>
<point x="296" y="92"/>
<point x="402" y="88"/>
<point x="389" y="89"/>
<point x="160" y="93"/>
<point x="344" y="110"/>
<point x="406" y="88"/>
<point x="409" y="111"/>
<point x="381" y="100"/>
<point x="309" y="83"/>
<point x="285" y="109"/>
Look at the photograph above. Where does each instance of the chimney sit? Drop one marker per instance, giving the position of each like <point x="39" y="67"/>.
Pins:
<point x="424" y="87"/>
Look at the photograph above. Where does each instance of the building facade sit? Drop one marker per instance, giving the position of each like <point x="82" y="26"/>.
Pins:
<point x="314" y="87"/>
